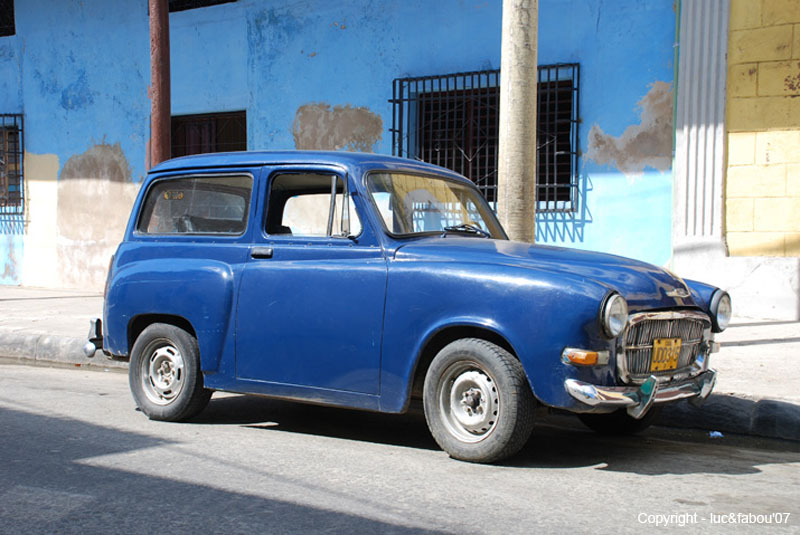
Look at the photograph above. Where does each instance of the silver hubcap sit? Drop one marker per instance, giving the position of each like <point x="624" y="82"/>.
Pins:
<point x="469" y="402"/>
<point x="162" y="374"/>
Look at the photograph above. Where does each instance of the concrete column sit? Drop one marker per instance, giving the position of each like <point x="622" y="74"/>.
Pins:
<point x="516" y="173"/>
<point x="160" y="114"/>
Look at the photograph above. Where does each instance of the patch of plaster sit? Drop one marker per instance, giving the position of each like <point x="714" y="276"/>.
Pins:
<point x="648" y="144"/>
<point x="317" y="126"/>
<point x="95" y="196"/>
<point x="101" y="161"/>
<point x="41" y="166"/>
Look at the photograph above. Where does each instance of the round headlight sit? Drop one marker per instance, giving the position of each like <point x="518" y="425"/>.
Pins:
<point x="614" y="315"/>
<point x="721" y="310"/>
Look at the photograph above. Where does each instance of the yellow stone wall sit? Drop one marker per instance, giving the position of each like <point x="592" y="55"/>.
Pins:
<point x="763" y="122"/>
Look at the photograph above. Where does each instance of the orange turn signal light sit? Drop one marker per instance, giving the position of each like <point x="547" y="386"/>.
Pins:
<point x="584" y="357"/>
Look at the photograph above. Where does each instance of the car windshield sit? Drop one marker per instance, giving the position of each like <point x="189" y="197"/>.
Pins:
<point x="416" y="204"/>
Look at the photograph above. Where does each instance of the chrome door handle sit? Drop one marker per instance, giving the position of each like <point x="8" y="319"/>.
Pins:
<point x="261" y="252"/>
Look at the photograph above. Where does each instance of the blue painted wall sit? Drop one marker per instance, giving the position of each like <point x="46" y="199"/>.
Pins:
<point x="80" y="72"/>
<point x="623" y="47"/>
<point x="85" y="71"/>
<point x="11" y="226"/>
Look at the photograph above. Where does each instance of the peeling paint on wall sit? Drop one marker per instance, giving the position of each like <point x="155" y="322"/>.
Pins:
<point x="95" y="196"/>
<point x="318" y="127"/>
<point x="648" y="144"/>
<point x="10" y="264"/>
<point x="77" y="95"/>
<point x="274" y="26"/>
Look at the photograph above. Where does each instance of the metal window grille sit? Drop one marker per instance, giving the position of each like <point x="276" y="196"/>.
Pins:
<point x="557" y="133"/>
<point x="11" y="160"/>
<point x="212" y="132"/>
<point x="7" y="24"/>
<point x="452" y="120"/>
<point x="182" y="5"/>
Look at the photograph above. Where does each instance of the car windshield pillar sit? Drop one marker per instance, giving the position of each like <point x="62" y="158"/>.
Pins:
<point x="332" y="210"/>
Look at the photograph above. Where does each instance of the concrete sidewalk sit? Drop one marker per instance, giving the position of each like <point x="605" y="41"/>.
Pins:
<point x="757" y="392"/>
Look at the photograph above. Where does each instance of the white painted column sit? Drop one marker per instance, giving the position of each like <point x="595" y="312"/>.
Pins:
<point x="699" y="169"/>
<point x="760" y="287"/>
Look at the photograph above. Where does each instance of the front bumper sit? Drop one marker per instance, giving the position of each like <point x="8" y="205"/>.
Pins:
<point x="638" y="399"/>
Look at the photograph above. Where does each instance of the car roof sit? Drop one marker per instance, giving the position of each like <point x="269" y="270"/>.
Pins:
<point x="364" y="161"/>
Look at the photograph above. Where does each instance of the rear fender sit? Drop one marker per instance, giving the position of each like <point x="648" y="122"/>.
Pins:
<point x="199" y="291"/>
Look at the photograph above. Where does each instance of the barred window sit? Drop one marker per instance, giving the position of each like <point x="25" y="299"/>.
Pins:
<point x="453" y="120"/>
<point x="212" y="132"/>
<point x="7" y="24"/>
<point x="11" y="149"/>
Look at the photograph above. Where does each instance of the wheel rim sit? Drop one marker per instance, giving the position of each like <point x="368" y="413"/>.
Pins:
<point x="468" y="401"/>
<point x="163" y="374"/>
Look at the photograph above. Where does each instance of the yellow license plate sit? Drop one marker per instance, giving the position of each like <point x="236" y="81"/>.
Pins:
<point x="665" y="354"/>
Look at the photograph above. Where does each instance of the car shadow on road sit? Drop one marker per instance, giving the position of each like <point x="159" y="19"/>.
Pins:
<point x="657" y="451"/>
<point x="557" y="442"/>
<point x="407" y="430"/>
<point x="62" y="475"/>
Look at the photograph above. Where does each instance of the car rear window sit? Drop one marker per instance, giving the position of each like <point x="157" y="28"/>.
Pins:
<point x="197" y="205"/>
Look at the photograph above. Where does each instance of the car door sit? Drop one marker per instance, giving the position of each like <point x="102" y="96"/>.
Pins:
<point x="311" y="300"/>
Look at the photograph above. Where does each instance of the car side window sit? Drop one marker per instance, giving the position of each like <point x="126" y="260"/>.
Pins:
<point x="311" y="205"/>
<point x="197" y="205"/>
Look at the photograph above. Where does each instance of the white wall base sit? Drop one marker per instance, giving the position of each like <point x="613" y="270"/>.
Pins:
<point x="760" y="287"/>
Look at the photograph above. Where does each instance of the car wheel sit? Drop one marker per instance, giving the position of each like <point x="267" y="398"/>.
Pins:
<point x="619" y="422"/>
<point x="478" y="404"/>
<point x="164" y="374"/>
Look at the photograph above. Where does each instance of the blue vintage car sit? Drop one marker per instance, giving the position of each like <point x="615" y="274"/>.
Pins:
<point x="367" y="281"/>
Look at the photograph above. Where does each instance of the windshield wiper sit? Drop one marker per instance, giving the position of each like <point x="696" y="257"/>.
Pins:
<point x="466" y="228"/>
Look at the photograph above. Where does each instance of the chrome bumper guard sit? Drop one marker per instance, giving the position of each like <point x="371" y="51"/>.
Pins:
<point x="95" y="339"/>
<point x="638" y="400"/>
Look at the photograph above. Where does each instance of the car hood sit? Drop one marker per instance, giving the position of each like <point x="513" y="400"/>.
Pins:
<point x="643" y="285"/>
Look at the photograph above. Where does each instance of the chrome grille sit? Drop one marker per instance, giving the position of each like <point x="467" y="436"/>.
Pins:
<point x="643" y="329"/>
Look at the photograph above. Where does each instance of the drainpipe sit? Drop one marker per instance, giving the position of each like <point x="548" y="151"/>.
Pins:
<point x="516" y="169"/>
<point x="160" y="145"/>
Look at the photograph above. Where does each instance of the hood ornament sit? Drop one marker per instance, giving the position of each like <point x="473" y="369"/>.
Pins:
<point x="679" y="292"/>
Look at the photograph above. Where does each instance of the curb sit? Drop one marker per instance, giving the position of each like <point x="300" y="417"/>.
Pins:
<point x="51" y="350"/>
<point x="761" y="417"/>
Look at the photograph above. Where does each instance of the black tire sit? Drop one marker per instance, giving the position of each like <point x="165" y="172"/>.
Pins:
<point x="494" y="416"/>
<point x="619" y="422"/>
<point x="165" y="376"/>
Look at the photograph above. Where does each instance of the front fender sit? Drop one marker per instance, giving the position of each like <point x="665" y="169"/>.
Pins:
<point x="538" y="313"/>
<point x="701" y="293"/>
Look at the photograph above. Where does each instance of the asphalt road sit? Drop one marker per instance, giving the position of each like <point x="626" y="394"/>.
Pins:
<point x="76" y="457"/>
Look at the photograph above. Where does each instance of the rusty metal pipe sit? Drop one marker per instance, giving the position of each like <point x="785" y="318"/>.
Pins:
<point x="160" y="113"/>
